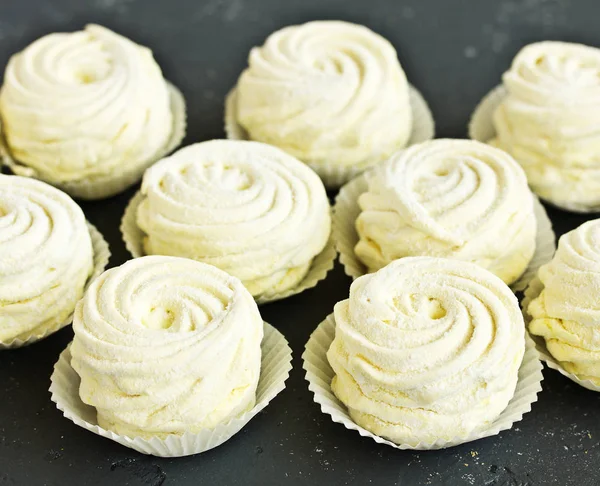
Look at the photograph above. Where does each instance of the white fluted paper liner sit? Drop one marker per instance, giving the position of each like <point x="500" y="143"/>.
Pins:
<point x="101" y="257"/>
<point x="545" y="246"/>
<point x="533" y="290"/>
<point x="481" y="125"/>
<point x="276" y="363"/>
<point x="133" y="237"/>
<point x="107" y="186"/>
<point x="334" y="175"/>
<point x="346" y="211"/>
<point x="319" y="375"/>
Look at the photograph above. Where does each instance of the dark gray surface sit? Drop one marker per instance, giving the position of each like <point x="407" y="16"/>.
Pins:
<point x="454" y="52"/>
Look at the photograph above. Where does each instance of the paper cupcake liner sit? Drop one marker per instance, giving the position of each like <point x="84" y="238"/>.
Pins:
<point x="319" y="375"/>
<point x="533" y="290"/>
<point x="133" y="238"/>
<point x="276" y="363"/>
<point x="107" y="186"/>
<point x="481" y="125"/>
<point x="346" y="211"/>
<point x="333" y="175"/>
<point x="101" y="257"/>
<point x="545" y="246"/>
<point x="132" y="235"/>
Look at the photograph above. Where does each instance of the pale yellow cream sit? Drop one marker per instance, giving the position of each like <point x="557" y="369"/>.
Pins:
<point x="427" y="349"/>
<point x="166" y="345"/>
<point x="45" y="257"/>
<point x="245" y="207"/>
<point x="327" y="92"/>
<point x="448" y="198"/>
<point x="83" y="106"/>
<point x="550" y="121"/>
<point x="567" y="311"/>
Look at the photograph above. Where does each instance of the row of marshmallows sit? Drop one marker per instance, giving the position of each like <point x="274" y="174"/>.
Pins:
<point x="89" y="111"/>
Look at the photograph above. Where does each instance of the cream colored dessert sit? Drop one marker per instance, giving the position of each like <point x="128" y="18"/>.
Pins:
<point x="45" y="257"/>
<point x="244" y="207"/>
<point x="427" y="349"/>
<point x="328" y="93"/>
<point x="85" y="107"/>
<point x="567" y="311"/>
<point x="550" y="121"/>
<point x="166" y="345"/>
<point x="448" y="198"/>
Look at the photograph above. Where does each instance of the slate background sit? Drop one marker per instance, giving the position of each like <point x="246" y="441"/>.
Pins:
<point x="454" y="51"/>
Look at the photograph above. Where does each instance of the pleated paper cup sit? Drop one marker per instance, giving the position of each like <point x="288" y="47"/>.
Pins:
<point x="319" y="375"/>
<point x="133" y="237"/>
<point x="545" y="246"/>
<point x="481" y="126"/>
<point x="533" y="291"/>
<point x="109" y="185"/>
<point x="334" y="175"/>
<point x="276" y="363"/>
<point x="346" y="211"/>
<point x="101" y="257"/>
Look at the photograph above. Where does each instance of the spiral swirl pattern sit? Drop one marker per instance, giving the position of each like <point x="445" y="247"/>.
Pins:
<point x="165" y="345"/>
<point x="567" y="313"/>
<point x="550" y="121"/>
<point x="448" y="198"/>
<point x="45" y="257"/>
<point x="244" y="207"/>
<point x="327" y="93"/>
<point x="427" y="348"/>
<point x="85" y="105"/>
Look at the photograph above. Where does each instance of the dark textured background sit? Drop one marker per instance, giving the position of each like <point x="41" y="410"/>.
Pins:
<point x="454" y="52"/>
